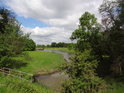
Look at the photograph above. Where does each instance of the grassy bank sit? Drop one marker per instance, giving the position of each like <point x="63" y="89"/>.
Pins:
<point x="116" y="85"/>
<point x="62" y="49"/>
<point x="38" y="61"/>
<point x="13" y="85"/>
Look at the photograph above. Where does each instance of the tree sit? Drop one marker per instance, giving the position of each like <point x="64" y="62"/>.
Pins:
<point x="82" y="69"/>
<point x="82" y="75"/>
<point x="11" y="37"/>
<point x="29" y="45"/>
<point x="88" y="26"/>
<point x="113" y="19"/>
<point x="53" y="44"/>
<point x="7" y="19"/>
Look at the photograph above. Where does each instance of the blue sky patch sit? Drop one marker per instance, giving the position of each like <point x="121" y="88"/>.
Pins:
<point x="27" y="22"/>
<point x="30" y="22"/>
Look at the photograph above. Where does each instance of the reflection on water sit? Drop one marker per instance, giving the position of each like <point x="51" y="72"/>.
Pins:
<point x="54" y="80"/>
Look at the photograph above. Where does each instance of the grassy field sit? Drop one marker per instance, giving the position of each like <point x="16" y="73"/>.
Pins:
<point x="62" y="49"/>
<point x="13" y="85"/>
<point x="38" y="61"/>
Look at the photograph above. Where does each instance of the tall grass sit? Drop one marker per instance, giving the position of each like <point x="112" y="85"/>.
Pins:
<point x="13" y="85"/>
<point x="116" y="86"/>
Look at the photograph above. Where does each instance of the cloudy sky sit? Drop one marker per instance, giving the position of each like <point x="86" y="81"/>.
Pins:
<point x="50" y="20"/>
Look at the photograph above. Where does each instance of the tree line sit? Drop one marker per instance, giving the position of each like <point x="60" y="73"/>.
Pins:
<point x="57" y="45"/>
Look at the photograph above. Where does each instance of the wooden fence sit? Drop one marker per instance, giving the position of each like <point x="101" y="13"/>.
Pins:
<point x="18" y="74"/>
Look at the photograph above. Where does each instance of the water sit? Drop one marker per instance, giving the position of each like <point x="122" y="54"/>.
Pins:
<point x="65" y="55"/>
<point x="54" y="80"/>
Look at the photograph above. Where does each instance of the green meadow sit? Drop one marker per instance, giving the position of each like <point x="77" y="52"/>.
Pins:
<point x="39" y="61"/>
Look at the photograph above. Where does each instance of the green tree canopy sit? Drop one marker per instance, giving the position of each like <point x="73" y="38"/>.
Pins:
<point x="87" y="31"/>
<point x="29" y="45"/>
<point x="11" y="37"/>
<point x="12" y="40"/>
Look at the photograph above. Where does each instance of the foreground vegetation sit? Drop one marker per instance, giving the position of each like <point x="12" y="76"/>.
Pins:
<point x="39" y="61"/>
<point x="115" y="85"/>
<point x="99" y="51"/>
<point x="30" y="62"/>
<point x="14" y="85"/>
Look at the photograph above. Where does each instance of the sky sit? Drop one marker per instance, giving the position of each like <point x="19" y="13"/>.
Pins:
<point x="51" y="20"/>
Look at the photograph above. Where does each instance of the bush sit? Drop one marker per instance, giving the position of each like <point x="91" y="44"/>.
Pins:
<point x="82" y="75"/>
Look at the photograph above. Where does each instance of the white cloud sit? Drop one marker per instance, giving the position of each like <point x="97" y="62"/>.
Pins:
<point x="61" y="15"/>
<point x="48" y="34"/>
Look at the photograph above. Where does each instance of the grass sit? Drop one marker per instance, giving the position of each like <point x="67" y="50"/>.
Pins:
<point x="63" y="49"/>
<point x="30" y="62"/>
<point x="115" y="86"/>
<point x="38" y="61"/>
<point x="13" y="85"/>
